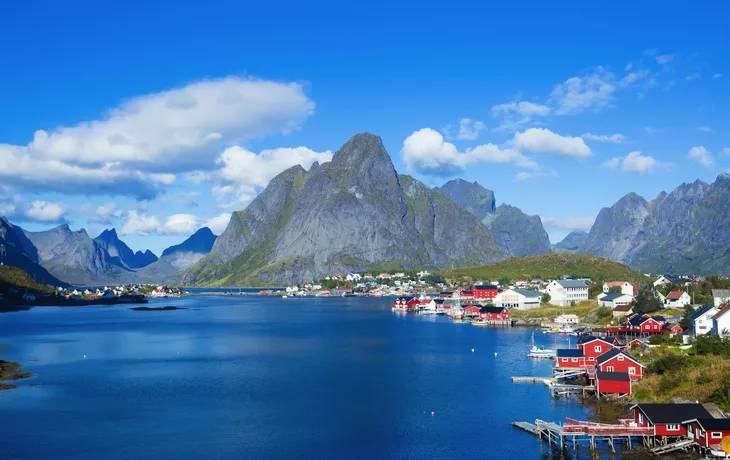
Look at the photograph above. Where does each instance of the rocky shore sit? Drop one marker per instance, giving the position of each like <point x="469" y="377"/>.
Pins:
<point x="11" y="372"/>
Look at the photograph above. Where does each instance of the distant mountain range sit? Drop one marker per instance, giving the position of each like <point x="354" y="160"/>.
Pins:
<point x="61" y="256"/>
<point x="572" y="242"/>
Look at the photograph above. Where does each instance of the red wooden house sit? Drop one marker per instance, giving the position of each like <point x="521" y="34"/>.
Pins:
<point x="666" y="419"/>
<point x="446" y="295"/>
<point x="472" y="310"/>
<point x="485" y="291"/>
<point x="467" y="294"/>
<point x="494" y="313"/>
<point x="636" y="342"/>
<point x="406" y="303"/>
<point x="570" y="358"/>
<point x="593" y="347"/>
<point x="707" y="431"/>
<point x="616" y="360"/>
<point x="613" y="383"/>
<point x="645" y="324"/>
<point x="673" y="329"/>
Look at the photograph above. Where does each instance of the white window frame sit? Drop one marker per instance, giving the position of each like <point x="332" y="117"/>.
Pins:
<point x="641" y="417"/>
<point x="597" y="348"/>
<point x="591" y="358"/>
<point x="632" y="371"/>
<point x="716" y="435"/>
<point x="575" y="360"/>
<point x="673" y="427"/>
<point x="609" y="369"/>
<point x="620" y="357"/>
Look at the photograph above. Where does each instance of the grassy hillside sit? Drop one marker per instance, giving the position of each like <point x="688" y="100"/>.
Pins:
<point x="13" y="277"/>
<point x="550" y="266"/>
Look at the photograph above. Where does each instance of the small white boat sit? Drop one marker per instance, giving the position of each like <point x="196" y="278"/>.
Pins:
<point x="285" y="297"/>
<point x="540" y="352"/>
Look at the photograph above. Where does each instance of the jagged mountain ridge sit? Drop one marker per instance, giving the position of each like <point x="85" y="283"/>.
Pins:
<point x="685" y="231"/>
<point x="17" y="251"/>
<point x="514" y="231"/>
<point x="109" y="240"/>
<point x="572" y="242"/>
<point x="351" y="214"/>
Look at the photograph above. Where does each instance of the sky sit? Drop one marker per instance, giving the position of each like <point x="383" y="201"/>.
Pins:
<point x="157" y="118"/>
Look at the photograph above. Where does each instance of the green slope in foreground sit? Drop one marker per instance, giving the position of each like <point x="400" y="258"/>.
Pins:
<point x="549" y="266"/>
<point x="15" y="278"/>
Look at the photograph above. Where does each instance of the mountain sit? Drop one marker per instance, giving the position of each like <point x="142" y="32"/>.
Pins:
<point x="353" y="213"/>
<point x="514" y="231"/>
<point x="549" y="266"/>
<point x="17" y="251"/>
<point x="685" y="231"/>
<point x="75" y="257"/>
<point x="109" y="240"/>
<point x="187" y="253"/>
<point x="572" y="242"/>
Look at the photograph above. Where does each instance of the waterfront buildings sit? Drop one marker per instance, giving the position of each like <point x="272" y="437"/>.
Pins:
<point x="567" y="292"/>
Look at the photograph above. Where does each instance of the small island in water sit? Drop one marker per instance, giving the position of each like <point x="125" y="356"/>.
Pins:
<point x="11" y="371"/>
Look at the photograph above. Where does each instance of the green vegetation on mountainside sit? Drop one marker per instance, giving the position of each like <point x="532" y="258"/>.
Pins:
<point x="549" y="266"/>
<point x="15" y="278"/>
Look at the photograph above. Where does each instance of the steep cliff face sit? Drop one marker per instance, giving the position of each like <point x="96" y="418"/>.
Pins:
<point x="109" y="240"/>
<point x="514" y="231"/>
<point x="572" y="242"/>
<point x="685" y="231"/>
<point x="74" y="257"/>
<point x="184" y="255"/>
<point x="17" y="251"/>
<point x="353" y="213"/>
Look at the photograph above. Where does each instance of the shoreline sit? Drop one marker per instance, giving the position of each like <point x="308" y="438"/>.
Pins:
<point x="10" y="372"/>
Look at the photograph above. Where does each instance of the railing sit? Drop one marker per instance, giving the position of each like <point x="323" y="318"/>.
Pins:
<point x="582" y="426"/>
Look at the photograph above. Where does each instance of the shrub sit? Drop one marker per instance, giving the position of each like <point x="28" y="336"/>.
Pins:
<point x="668" y="363"/>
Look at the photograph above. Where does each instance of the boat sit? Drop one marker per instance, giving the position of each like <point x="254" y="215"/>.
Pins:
<point x="540" y="352"/>
<point x="284" y="297"/>
<point x="566" y="330"/>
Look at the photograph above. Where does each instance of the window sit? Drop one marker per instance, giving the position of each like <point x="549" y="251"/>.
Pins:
<point x="575" y="360"/>
<point x="716" y="435"/>
<point x="591" y="358"/>
<point x="673" y="427"/>
<point x="609" y="369"/>
<point x="620" y="357"/>
<point x="597" y="348"/>
<point x="632" y="370"/>
<point x="641" y="418"/>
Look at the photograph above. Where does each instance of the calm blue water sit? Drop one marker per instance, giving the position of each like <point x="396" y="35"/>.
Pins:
<point x="231" y="290"/>
<point x="266" y="378"/>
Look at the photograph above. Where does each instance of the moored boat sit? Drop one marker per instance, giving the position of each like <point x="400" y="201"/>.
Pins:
<point x="540" y="352"/>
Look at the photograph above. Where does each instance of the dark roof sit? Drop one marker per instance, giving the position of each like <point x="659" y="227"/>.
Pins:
<point x="589" y="338"/>
<point x="613" y="353"/>
<point x="673" y="413"/>
<point x="407" y="299"/>
<point x="446" y="292"/>
<point x="638" y="320"/>
<point x="701" y="311"/>
<point x="673" y="279"/>
<point x="659" y="318"/>
<point x="485" y="286"/>
<point x="615" y="376"/>
<point x="569" y="353"/>
<point x="709" y="424"/>
<point x="611" y="296"/>
<point x="627" y="307"/>
<point x="491" y="309"/>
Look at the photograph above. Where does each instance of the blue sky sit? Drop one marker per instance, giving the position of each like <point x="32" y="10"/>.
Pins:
<point x="157" y="119"/>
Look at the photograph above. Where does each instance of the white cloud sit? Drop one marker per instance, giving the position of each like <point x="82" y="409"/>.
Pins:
<point x="163" y="178"/>
<point x="219" y="223"/>
<point x="541" y="140"/>
<point x="170" y="131"/>
<point x="612" y="163"/>
<point x="520" y="176"/>
<point x="637" y="163"/>
<point x="568" y="223"/>
<point x="107" y="213"/>
<point x="578" y="94"/>
<point x="702" y="156"/>
<point x="526" y="109"/>
<point x="46" y="211"/>
<point x="717" y="75"/>
<point x="469" y="129"/>
<point x="664" y="59"/>
<point x="693" y="76"/>
<point x="613" y="138"/>
<point x="242" y="171"/>
<point x="704" y="129"/>
<point x="726" y="150"/>
<point x="179" y="224"/>
<point x="139" y="223"/>
<point x="426" y="151"/>
<point x="632" y="78"/>
<point x="197" y="177"/>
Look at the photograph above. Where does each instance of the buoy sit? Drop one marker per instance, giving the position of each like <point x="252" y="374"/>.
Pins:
<point x="495" y="353"/>
<point x="472" y="350"/>
<point x="84" y="356"/>
<point x="433" y="413"/>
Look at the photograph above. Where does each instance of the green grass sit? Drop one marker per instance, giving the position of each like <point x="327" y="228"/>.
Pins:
<point x="549" y="266"/>
<point x="13" y="277"/>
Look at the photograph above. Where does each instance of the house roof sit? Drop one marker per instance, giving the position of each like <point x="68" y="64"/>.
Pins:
<point x="492" y="309"/>
<point x="659" y="318"/>
<point x="673" y="413"/>
<point x="704" y="309"/>
<point x="611" y="296"/>
<point x="721" y="312"/>
<point x="722" y="293"/>
<point x="569" y="353"/>
<point x="614" y="376"/>
<point x="614" y="283"/>
<point x="672" y="279"/>
<point x="572" y="283"/>
<point x="669" y="326"/>
<point x="485" y="287"/>
<point x="709" y="424"/>
<point x="528" y="293"/>
<point x="570" y="316"/>
<point x="675" y="295"/>
<point x="590" y="338"/>
<point x="627" y="307"/>
<point x="610" y="354"/>
<point x="639" y="320"/>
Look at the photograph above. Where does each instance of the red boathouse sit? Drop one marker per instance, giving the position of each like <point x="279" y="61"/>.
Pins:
<point x="484" y="292"/>
<point x="613" y="383"/>
<point x="616" y="360"/>
<point x="666" y="419"/>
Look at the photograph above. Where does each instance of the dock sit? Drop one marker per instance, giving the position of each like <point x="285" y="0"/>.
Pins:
<point x="532" y="379"/>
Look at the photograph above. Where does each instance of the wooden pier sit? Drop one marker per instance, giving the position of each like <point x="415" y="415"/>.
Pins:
<point x="532" y="379"/>
<point x="576" y="433"/>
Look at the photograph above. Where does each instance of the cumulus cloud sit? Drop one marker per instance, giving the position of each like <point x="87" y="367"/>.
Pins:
<point x="107" y="213"/>
<point x="636" y="163"/>
<point x="578" y="94"/>
<point x="702" y="156"/>
<point x="45" y="211"/>
<point x="18" y="209"/>
<point x="141" y="223"/>
<point x="612" y="138"/>
<point x="541" y="140"/>
<point x="469" y="129"/>
<point x="526" y="109"/>
<point x="612" y="163"/>
<point x="427" y="152"/>
<point x="568" y="223"/>
<point x="172" y="131"/>
<point x="241" y="172"/>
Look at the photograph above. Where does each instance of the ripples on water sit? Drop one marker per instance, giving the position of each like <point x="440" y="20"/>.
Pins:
<point x="266" y="378"/>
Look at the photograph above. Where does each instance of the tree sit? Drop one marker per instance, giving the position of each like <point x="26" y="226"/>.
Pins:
<point x="615" y="289"/>
<point x="646" y="301"/>
<point x="595" y="290"/>
<point x="686" y="322"/>
<point x="546" y="298"/>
